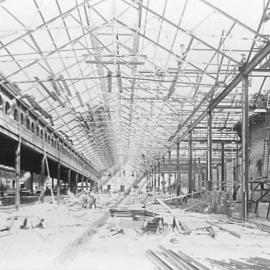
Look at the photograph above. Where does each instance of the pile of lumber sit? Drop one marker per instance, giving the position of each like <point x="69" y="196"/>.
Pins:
<point x="125" y="212"/>
<point x="222" y="228"/>
<point x="263" y="227"/>
<point x="169" y="259"/>
<point x="255" y="263"/>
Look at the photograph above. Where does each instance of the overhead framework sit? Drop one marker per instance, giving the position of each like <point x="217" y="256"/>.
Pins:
<point x="124" y="81"/>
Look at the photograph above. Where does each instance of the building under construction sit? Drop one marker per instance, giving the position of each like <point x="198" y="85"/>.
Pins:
<point x="134" y="134"/>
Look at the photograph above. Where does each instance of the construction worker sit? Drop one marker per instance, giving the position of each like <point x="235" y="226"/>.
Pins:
<point x="84" y="199"/>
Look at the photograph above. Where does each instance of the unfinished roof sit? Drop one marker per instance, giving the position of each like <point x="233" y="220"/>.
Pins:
<point x="124" y="79"/>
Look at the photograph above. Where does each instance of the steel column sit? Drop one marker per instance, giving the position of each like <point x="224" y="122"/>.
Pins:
<point x="199" y="175"/>
<point x="158" y="175"/>
<point x="237" y="164"/>
<point x="163" y="175"/>
<point x="223" y="184"/>
<point x="245" y="147"/>
<point x="209" y="152"/>
<point x="155" y="178"/>
<point x="178" y="180"/>
<point x="152" y="178"/>
<point x="169" y="178"/>
<point x="190" y="164"/>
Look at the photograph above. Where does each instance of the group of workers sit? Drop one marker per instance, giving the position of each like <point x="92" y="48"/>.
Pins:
<point x="89" y="199"/>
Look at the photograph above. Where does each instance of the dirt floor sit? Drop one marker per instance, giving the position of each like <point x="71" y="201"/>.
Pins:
<point x="80" y="238"/>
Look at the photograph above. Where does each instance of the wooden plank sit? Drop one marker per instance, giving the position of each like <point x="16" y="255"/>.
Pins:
<point x="188" y="259"/>
<point x="224" y="229"/>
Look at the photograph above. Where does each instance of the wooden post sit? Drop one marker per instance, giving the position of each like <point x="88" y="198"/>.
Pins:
<point x="17" y="173"/>
<point x="86" y="181"/>
<point x="58" y="181"/>
<point x="69" y="178"/>
<point x="43" y="177"/>
<point x="76" y="182"/>
<point x="31" y="183"/>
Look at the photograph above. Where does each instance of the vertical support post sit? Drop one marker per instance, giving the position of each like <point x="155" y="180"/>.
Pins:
<point x="217" y="176"/>
<point x="18" y="172"/>
<point x="158" y="175"/>
<point x="86" y="182"/>
<point x="178" y="180"/>
<point x="237" y="165"/>
<point x="152" y="180"/>
<point x="155" y="178"/>
<point x="245" y="147"/>
<point x="199" y="175"/>
<point x="76" y="182"/>
<point x="58" y="181"/>
<point x="163" y="178"/>
<point x="190" y="163"/>
<point x="31" y="183"/>
<point x="169" y="166"/>
<point x="209" y="152"/>
<point x="43" y="178"/>
<point x="147" y="179"/>
<point x="69" y="178"/>
<point x="223" y="184"/>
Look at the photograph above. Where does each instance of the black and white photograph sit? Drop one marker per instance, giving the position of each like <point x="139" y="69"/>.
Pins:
<point x="134" y="134"/>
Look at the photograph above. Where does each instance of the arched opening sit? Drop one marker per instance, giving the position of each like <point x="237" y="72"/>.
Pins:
<point x="33" y="127"/>
<point x="46" y="136"/>
<point x="28" y="123"/>
<point x="7" y="108"/>
<point x="16" y="114"/>
<point x="41" y="133"/>
<point x="22" y="119"/>
<point x="37" y="129"/>
<point x="1" y="102"/>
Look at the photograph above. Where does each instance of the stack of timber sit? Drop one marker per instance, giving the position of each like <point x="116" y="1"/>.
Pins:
<point x="263" y="227"/>
<point x="168" y="259"/>
<point x="224" y="229"/>
<point x="256" y="263"/>
<point x="125" y="212"/>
